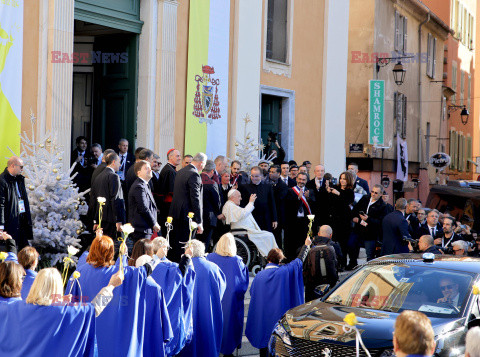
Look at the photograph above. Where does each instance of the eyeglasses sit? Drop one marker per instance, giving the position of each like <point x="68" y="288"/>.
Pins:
<point x="447" y="287"/>
<point x="457" y="250"/>
<point x="376" y="192"/>
<point x="21" y="166"/>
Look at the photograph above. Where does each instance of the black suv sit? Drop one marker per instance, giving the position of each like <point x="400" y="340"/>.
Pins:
<point x="439" y="286"/>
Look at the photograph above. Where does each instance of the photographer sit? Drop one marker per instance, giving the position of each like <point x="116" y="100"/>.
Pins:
<point x="425" y="245"/>
<point x="449" y="236"/>
<point x="278" y="152"/>
<point x="460" y="248"/>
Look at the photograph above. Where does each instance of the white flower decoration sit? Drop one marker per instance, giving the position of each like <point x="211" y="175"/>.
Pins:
<point x="311" y="217"/>
<point x="72" y="250"/>
<point x="101" y="199"/>
<point x="194" y="225"/>
<point x="127" y="228"/>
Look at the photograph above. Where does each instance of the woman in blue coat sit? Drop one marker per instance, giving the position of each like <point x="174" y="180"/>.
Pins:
<point x="236" y="273"/>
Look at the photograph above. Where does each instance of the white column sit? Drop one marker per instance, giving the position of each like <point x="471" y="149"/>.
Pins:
<point x="166" y="63"/>
<point x="246" y="70"/>
<point x="334" y="85"/>
<point x="147" y="70"/>
<point x="156" y="77"/>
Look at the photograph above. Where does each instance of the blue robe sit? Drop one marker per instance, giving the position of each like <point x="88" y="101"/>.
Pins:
<point x="274" y="291"/>
<point x="121" y="325"/>
<point x="33" y="330"/>
<point x="236" y="274"/>
<point x="156" y="306"/>
<point x="83" y="259"/>
<point x="27" y="282"/>
<point x="178" y="292"/>
<point x="210" y="284"/>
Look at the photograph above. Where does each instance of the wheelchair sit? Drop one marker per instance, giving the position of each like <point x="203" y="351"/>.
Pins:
<point x="247" y="250"/>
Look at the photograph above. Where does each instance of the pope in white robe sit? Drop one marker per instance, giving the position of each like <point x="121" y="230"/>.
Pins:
<point x="241" y="218"/>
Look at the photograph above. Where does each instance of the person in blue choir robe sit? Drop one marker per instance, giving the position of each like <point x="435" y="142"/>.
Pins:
<point x="28" y="258"/>
<point x="44" y="324"/>
<point x="177" y="282"/>
<point x="236" y="273"/>
<point x="210" y="284"/>
<point x="274" y="290"/>
<point x="121" y="327"/>
<point x="142" y="253"/>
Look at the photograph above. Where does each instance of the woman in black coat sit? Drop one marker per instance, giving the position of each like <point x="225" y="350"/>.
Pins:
<point x="340" y="199"/>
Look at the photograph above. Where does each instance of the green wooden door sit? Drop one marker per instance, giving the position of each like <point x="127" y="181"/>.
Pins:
<point x="271" y="116"/>
<point x="115" y="89"/>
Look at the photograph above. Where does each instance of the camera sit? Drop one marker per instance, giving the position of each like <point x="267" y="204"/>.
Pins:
<point x="448" y="250"/>
<point x="334" y="181"/>
<point x="412" y="241"/>
<point x="272" y="136"/>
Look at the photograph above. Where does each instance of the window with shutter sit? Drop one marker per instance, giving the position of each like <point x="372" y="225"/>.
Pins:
<point x="404" y="47"/>
<point x="434" y="57"/>
<point x="404" y="117"/>
<point x="454" y="82"/>
<point x="277" y="18"/>
<point x="397" y="32"/>
<point x="451" y="150"/>
<point x="461" y="153"/>
<point x="429" y="54"/>
<point x="469" y="153"/>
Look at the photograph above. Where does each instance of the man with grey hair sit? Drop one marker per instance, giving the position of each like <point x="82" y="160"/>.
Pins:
<point x="460" y="248"/>
<point x="187" y="197"/>
<point x="472" y="347"/>
<point x="221" y="163"/>
<point x="210" y="285"/>
<point x="395" y="228"/>
<point x="126" y="159"/>
<point x="15" y="218"/>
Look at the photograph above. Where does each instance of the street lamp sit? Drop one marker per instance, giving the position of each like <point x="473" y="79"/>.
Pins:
<point x="398" y="70"/>
<point x="463" y="114"/>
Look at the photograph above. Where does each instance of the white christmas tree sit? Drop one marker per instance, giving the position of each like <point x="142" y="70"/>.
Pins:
<point x="55" y="203"/>
<point x="249" y="152"/>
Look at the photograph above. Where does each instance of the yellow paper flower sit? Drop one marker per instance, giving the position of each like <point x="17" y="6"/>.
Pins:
<point x="351" y="319"/>
<point x="127" y="228"/>
<point x="101" y="200"/>
<point x="169" y="219"/>
<point x="475" y="290"/>
<point x="3" y="255"/>
<point x="76" y="274"/>
<point x="190" y="215"/>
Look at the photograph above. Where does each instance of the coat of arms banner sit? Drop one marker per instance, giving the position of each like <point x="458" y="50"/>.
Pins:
<point x="207" y="77"/>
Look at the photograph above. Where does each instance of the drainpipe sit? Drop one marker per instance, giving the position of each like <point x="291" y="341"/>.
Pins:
<point x="419" y="127"/>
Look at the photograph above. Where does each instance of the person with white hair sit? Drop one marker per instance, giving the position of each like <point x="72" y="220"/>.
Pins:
<point x="236" y="272"/>
<point x="472" y="347"/>
<point x="187" y="197"/>
<point x="242" y="218"/>
<point x="460" y="248"/>
<point x="209" y="288"/>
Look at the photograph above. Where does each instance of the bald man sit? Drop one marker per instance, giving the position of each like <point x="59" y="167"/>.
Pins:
<point x="15" y="216"/>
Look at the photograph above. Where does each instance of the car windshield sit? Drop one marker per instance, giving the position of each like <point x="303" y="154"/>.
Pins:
<point x="397" y="287"/>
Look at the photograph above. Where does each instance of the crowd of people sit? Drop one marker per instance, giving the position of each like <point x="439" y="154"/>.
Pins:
<point x="192" y="304"/>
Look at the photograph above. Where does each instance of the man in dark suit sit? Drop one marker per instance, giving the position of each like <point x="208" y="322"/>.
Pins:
<point x="317" y="185"/>
<point x="431" y="226"/>
<point x="166" y="183"/>
<point x="108" y="186"/>
<point x="237" y="176"/>
<point x="367" y="215"/>
<point x="126" y="158"/>
<point x="280" y="190"/>
<point x="395" y="227"/>
<point x="410" y="215"/>
<point x="15" y="218"/>
<point x="82" y="160"/>
<point x="142" y="210"/>
<point x="298" y="203"/>
<point x="212" y="204"/>
<point x="358" y="181"/>
<point x="426" y="245"/>
<point x="221" y="163"/>
<point x="265" y="212"/>
<point x="187" y="197"/>
<point x="284" y="167"/>
<point x="146" y="155"/>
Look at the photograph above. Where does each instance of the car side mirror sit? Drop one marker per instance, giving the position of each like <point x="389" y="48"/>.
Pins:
<point x="473" y="323"/>
<point x="321" y="290"/>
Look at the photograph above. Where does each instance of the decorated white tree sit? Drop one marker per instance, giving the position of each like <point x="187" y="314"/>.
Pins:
<point x="249" y="152"/>
<point x="55" y="203"/>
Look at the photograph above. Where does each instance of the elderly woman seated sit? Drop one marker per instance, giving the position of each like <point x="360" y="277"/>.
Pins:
<point x="241" y="218"/>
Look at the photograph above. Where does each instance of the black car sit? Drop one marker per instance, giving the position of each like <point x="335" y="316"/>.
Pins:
<point x="439" y="286"/>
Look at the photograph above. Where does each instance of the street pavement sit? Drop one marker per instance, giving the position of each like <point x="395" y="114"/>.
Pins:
<point x="247" y="349"/>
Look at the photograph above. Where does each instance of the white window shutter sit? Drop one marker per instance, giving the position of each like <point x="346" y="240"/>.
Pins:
<point x="405" y="34"/>
<point x="434" y="60"/>
<point x="397" y="30"/>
